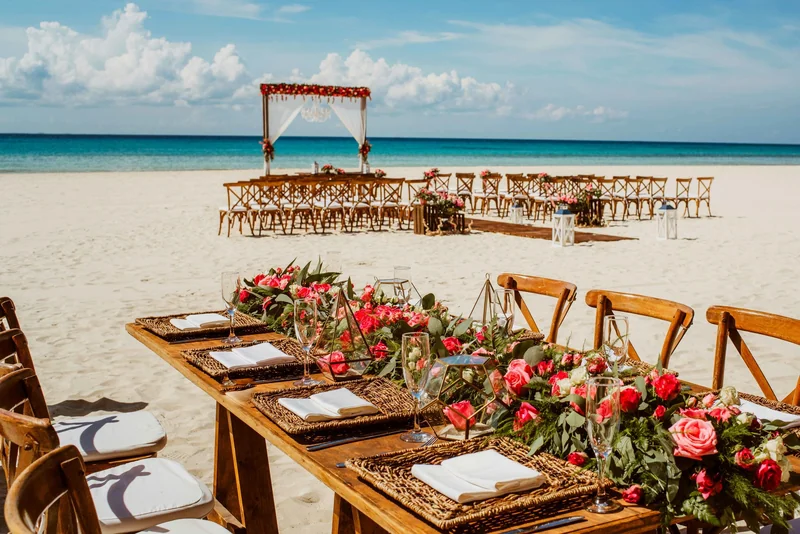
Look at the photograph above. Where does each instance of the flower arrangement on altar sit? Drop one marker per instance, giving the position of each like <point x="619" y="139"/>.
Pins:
<point x="339" y="170"/>
<point x="432" y="173"/>
<point x="364" y="150"/>
<point x="326" y="169"/>
<point x="380" y="173"/>
<point x="544" y="177"/>
<point x="447" y="204"/>
<point x="686" y="455"/>
<point x="267" y="149"/>
<point x="485" y="173"/>
<point x="303" y="89"/>
<point x="580" y="205"/>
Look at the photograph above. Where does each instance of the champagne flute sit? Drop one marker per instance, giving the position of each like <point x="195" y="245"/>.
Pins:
<point x="402" y="280"/>
<point x="305" y="329"/>
<point x="417" y="362"/>
<point x="602" y="422"/>
<point x="615" y="340"/>
<point x="231" y="288"/>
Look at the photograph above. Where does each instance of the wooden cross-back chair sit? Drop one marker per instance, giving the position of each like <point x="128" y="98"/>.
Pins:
<point x="606" y="198"/>
<point x="644" y="195"/>
<point x="8" y="314"/>
<point x="330" y="204"/>
<point x="564" y="292"/>
<point x="390" y="195"/>
<point x="679" y="317"/>
<point x="703" y="194"/>
<point x="302" y="195"/>
<point x="517" y="193"/>
<point x="682" y="194"/>
<point x="270" y="207"/>
<point x="240" y="195"/>
<point x="413" y="188"/>
<point x="14" y="349"/>
<point x="658" y="193"/>
<point x="730" y="322"/>
<point x="441" y="182"/>
<point x="490" y="192"/>
<point x="359" y="203"/>
<point x="464" y="183"/>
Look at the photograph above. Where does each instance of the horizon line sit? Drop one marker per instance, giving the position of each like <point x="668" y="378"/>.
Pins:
<point x="41" y="134"/>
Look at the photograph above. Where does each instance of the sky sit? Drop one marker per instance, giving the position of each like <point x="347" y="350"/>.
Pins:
<point x="726" y="71"/>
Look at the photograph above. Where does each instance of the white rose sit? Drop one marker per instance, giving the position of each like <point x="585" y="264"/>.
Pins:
<point x="775" y="448"/>
<point x="469" y="375"/>
<point x="745" y="418"/>
<point x="563" y="387"/>
<point x="729" y="396"/>
<point x="578" y="376"/>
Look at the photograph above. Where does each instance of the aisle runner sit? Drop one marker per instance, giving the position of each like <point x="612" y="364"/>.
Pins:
<point x="536" y="232"/>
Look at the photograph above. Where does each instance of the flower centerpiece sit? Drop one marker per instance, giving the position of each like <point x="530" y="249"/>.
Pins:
<point x="485" y="173"/>
<point x="446" y="204"/>
<point x="432" y="173"/>
<point x="580" y="204"/>
<point x="544" y="177"/>
<point x="380" y="173"/>
<point x="339" y="170"/>
<point x="267" y="149"/>
<point x="683" y="454"/>
<point x="326" y="169"/>
<point x="364" y="150"/>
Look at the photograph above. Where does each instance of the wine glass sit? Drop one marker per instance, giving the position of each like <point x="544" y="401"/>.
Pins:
<point x="416" y="366"/>
<point x="402" y="280"/>
<point x="615" y="340"/>
<point x="602" y="422"/>
<point x="231" y="288"/>
<point x="305" y="329"/>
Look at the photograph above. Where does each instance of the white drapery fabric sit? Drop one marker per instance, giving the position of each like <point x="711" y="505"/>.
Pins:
<point x="352" y="113"/>
<point x="282" y="111"/>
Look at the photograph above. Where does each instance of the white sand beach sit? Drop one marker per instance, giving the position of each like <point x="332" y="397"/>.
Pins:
<point x="82" y="254"/>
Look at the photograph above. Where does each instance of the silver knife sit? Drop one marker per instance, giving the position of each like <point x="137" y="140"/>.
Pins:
<point x="548" y="525"/>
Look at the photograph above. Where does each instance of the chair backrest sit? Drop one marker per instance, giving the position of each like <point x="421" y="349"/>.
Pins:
<point x="25" y="428"/>
<point x="391" y="190"/>
<point x="442" y="182"/>
<point x="644" y="185"/>
<point x="620" y="185"/>
<point x="14" y="348"/>
<point x="464" y="182"/>
<point x="731" y="321"/>
<point x="517" y="185"/>
<point x="52" y="497"/>
<point x="704" y="187"/>
<point x="302" y="194"/>
<point x="490" y="185"/>
<point x="682" y="186"/>
<point x="631" y="188"/>
<point x="413" y="187"/>
<point x="564" y="292"/>
<point x="8" y="314"/>
<point x="607" y="187"/>
<point x="658" y="187"/>
<point x="679" y="316"/>
<point x="240" y="194"/>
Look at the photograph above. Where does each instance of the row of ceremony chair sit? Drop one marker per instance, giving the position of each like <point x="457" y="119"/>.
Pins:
<point x="356" y="201"/>
<point x="112" y="458"/>
<point x="730" y="322"/>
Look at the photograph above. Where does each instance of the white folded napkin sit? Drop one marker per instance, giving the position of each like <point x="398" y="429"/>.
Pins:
<point x="255" y="355"/>
<point x="200" y="320"/>
<point x="478" y="476"/>
<point x="335" y="404"/>
<point x="768" y="414"/>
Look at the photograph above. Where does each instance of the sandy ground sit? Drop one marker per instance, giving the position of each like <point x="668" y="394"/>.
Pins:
<point x="82" y="254"/>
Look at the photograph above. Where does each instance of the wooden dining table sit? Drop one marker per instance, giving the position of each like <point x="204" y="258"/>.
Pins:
<point x="243" y="485"/>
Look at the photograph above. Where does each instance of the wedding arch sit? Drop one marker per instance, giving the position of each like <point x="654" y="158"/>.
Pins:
<point x="282" y="102"/>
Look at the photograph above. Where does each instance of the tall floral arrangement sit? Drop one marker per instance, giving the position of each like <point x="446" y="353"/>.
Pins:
<point x="267" y="148"/>
<point x="365" y="149"/>
<point x="327" y="169"/>
<point x="447" y="204"/>
<point x="485" y="173"/>
<point x="431" y="173"/>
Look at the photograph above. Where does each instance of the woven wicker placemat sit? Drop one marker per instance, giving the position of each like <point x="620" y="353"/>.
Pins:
<point x="641" y="368"/>
<point x="160" y="326"/>
<point x="201" y="359"/>
<point x="395" y="405"/>
<point x="567" y="485"/>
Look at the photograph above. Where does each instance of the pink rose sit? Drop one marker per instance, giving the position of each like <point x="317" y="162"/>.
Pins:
<point x="459" y="413"/>
<point x="518" y="375"/>
<point x="577" y="458"/>
<point x="744" y="459"/>
<point x="482" y="352"/>
<point x="667" y="386"/>
<point x="526" y="413"/>
<point x="566" y="359"/>
<point x="380" y="351"/>
<point x="368" y="292"/>
<point x="633" y="494"/>
<point x="694" y="413"/>
<point x="721" y="414"/>
<point x="709" y="400"/>
<point x="604" y="411"/>
<point x="266" y="303"/>
<point x="258" y="279"/>
<point x="693" y="438"/>
<point x="496" y="379"/>
<point x="452" y="344"/>
<point x="304" y="292"/>
<point x="330" y="362"/>
<point x="321" y="288"/>
<point x="545" y="367"/>
<point x="708" y="485"/>
<point x="596" y="365"/>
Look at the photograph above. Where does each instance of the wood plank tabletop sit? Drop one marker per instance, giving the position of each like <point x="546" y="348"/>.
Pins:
<point x="384" y="511"/>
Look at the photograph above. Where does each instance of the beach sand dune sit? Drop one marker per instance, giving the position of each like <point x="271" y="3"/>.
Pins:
<point x="82" y="254"/>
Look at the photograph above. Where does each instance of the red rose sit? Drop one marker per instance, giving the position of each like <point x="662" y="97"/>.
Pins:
<point x="667" y="386"/>
<point x="596" y="365"/>
<point x="659" y="412"/>
<point x="744" y="459"/>
<point x="694" y="413"/>
<point x="561" y="375"/>
<point x="721" y="414"/>
<point x="329" y="363"/>
<point x="577" y="458"/>
<point x="526" y="413"/>
<point x="768" y="476"/>
<point x="633" y="494"/>
<point x="243" y="295"/>
<point x="709" y="485"/>
<point x="604" y="411"/>
<point x="545" y="367"/>
<point x="459" y="413"/>
<point x="518" y="375"/>
<point x="452" y="344"/>
<point x="629" y="399"/>
<point x="380" y="351"/>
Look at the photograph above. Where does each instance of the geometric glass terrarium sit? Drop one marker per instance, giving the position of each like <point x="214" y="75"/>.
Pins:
<point x="462" y="387"/>
<point x="341" y="351"/>
<point x="399" y="287"/>
<point x="490" y="305"/>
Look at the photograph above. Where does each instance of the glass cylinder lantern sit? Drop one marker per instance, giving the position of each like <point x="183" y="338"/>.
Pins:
<point x="563" y="228"/>
<point x="469" y="395"/>
<point x="667" y="219"/>
<point x="341" y="350"/>
<point x="491" y="305"/>
<point x="315" y="168"/>
<point x="517" y="213"/>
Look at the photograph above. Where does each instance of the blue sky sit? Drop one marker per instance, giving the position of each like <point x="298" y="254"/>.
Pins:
<point x="678" y="70"/>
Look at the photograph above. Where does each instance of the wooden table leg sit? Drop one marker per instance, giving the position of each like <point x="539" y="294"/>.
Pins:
<point x="348" y="520"/>
<point x="242" y="482"/>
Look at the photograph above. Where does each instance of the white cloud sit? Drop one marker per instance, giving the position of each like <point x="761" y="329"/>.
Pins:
<point x="124" y="65"/>
<point x="221" y="8"/>
<point x="290" y="9"/>
<point x="402" y="86"/>
<point x="551" y="112"/>
<point x="408" y="37"/>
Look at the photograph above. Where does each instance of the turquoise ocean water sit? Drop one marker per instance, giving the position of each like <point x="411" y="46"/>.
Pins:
<point x="80" y="153"/>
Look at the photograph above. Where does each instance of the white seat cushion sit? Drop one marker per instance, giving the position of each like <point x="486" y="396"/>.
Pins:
<point x="236" y="209"/>
<point x="188" y="526"/>
<point x="112" y="436"/>
<point x="302" y="207"/>
<point x="142" y="494"/>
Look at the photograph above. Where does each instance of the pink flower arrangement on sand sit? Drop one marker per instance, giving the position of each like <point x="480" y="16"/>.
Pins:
<point x="485" y="173"/>
<point x="379" y="173"/>
<point x="432" y="173"/>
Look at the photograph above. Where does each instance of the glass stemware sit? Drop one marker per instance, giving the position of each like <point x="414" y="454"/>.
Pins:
<point x="416" y="351"/>
<point x="305" y="329"/>
<point x="402" y="277"/>
<point x="615" y="340"/>
<point x="602" y="422"/>
<point x="231" y="288"/>
<point x="504" y="309"/>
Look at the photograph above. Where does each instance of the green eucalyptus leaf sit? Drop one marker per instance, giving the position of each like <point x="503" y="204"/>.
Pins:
<point x="462" y="327"/>
<point x="283" y="297"/>
<point x="534" y="355"/>
<point x="536" y="445"/>
<point x="435" y="327"/>
<point x="575" y="420"/>
<point x="389" y="367"/>
<point x="428" y="301"/>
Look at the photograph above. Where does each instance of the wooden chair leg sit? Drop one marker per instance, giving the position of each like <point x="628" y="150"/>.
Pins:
<point x="221" y="218"/>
